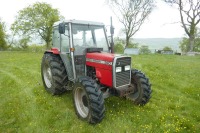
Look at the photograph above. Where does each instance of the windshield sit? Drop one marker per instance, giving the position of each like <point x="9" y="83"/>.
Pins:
<point x="88" y="36"/>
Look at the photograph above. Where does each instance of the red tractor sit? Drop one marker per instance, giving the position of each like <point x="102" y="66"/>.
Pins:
<point x="82" y="60"/>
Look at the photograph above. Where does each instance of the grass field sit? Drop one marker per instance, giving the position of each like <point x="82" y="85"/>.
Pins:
<point x="174" y="107"/>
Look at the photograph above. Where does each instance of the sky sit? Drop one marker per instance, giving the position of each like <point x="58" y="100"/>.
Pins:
<point x="162" y="22"/>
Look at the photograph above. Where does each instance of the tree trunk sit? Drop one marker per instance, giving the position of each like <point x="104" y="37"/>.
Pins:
<point x="191" y="43"/>
<point x="48" y="44"/>
<point x="127" y="40"/>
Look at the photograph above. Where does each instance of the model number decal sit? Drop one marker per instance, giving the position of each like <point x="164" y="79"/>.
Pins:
<point x="99" y="61"/>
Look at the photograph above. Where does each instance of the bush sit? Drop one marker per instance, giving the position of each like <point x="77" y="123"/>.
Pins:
<point x="167" y="48"/>
<point x="30" y="48"/>
<point x="36" y="48"/>
<point x="184" y="45"/>
<point x="118" y="48"/>
<point x="144" y="50"/>
<point x="132" y="45"/>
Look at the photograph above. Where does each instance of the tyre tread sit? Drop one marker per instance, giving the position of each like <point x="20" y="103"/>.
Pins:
<point x="59" y="74"/>
<point x="145" y="86"/>
<point x="95" y="99"/>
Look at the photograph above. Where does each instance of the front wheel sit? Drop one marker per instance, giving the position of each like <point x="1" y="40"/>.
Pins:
<point x="88" y="101"/>
<point x="142" y="88"/>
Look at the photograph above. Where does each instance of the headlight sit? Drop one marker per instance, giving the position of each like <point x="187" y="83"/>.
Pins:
<point x="127" y="68"/>
<point x="118" y="69"/>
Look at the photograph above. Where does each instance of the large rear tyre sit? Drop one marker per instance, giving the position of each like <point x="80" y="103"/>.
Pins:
<point x="88" y="101"/>
<point x="54" y="75"/>
<point x="142" y="88"/>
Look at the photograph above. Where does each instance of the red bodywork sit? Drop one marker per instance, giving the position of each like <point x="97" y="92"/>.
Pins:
<point x="102" y="62"/>
<point x="54" y="51"/>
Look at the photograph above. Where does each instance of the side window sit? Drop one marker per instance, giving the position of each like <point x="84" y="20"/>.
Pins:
<point x="65" y="41"/>
<point x="56" y="38"/>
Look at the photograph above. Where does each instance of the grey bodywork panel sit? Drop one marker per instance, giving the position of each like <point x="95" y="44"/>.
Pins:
<point x="68" y="65"/>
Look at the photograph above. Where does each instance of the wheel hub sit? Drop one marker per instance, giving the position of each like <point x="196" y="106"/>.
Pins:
<point x="135" y="94"/>
<point x="85" y="102"/>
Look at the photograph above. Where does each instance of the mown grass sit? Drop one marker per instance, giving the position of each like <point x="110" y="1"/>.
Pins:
<point x="174" y="107"/>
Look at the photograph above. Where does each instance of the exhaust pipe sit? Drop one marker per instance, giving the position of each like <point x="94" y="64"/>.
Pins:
<point x="112" y="33"/>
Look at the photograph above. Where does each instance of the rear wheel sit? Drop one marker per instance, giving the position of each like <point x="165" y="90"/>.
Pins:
<point x="142" y="88"/>
<point x="88" y="101"/>
<point x="54" y="75"/>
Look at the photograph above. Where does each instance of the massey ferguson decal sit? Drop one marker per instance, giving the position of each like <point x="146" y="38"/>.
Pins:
<point x="99" y="61"/>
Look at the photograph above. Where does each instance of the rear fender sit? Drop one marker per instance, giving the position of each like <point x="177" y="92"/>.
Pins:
<point x="56" y="51"/>
<point x="53" y="51"/>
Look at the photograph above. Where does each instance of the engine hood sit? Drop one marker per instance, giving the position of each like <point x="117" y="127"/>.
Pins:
<point x="104" y="64"/>
<point x="101" y="56"/>
<point x="100" y="60"/>
<point x="103" y="60"/>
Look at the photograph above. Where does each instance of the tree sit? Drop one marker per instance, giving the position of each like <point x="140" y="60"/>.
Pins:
<point x="184" y="45"/>
<point x="189" y="11"/>
<point x="197" y="45"/>
<point x="3" y="44"/>
<point x="23" y="43"/>
<point x="132" y="14"/>
<point x="167" y="48"/>
<point x="36" y="19"/>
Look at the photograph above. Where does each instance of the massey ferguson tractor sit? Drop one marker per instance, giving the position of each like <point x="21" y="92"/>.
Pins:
<point x="82" y="60"/>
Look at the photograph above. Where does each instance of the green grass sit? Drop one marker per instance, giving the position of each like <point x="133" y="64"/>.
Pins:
<point x="174" y="107"/>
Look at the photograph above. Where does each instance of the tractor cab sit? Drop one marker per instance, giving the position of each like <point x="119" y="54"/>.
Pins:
<point x="73" y="39"/>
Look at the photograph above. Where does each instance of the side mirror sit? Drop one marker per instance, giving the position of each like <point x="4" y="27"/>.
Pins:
<point x="62" y="28"/>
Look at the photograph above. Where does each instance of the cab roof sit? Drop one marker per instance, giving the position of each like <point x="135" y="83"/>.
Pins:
<point x="73" y="21"/>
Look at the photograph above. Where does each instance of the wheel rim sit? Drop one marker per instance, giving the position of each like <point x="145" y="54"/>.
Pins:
<point x="81" y="102"/>
<point x="47" y="75"/>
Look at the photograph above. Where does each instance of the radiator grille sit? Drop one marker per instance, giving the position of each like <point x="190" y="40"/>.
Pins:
<point x="123" y="77"/>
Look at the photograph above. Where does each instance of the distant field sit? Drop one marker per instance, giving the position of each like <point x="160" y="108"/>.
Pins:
<point x="174" y="107"/>
<point x="159" y="43"/>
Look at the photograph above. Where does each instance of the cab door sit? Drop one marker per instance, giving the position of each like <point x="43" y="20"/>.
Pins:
<point x="62" y="41"/>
